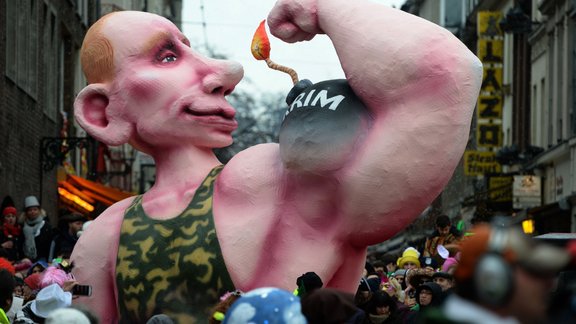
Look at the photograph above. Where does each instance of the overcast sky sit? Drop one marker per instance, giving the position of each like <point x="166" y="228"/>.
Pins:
<point x="230" y="25"/>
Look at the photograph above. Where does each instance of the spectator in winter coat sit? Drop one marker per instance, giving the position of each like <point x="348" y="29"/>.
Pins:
<point x="11" y="237"/>
<point x="37" y="231"/>
<point x="64" y="242"/>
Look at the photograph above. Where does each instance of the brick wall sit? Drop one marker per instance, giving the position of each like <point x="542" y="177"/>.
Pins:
<point x="23" y="123"/>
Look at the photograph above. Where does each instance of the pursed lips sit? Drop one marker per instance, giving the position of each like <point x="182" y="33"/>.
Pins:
<point x="217" y="116"/>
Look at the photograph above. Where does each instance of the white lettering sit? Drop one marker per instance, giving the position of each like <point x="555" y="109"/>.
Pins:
<point x="307" y="101"/>
<point x="320" y="100"/>
<point x="297" y="103"/>
<point x="324" y="100"/>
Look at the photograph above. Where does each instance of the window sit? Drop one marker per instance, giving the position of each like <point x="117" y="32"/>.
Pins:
<point x="52" y="59"/>
<point x="453" y="13"/>
<point x="22" y="45"/>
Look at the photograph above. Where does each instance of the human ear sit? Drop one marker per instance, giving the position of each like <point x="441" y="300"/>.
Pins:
<point x="101" y="115"/>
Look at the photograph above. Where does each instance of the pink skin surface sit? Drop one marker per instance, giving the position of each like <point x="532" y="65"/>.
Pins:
<point x="419" y="82"/>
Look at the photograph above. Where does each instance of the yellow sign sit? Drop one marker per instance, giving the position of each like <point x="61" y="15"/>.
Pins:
<point x="489" y="23"/>
<point x="492" y="80"/>
<point x="489" y="135"/>
<point x="490" y="51"/>
<point x="489" y="107"/>
<point x="500" y="189"/>
<point x="480" y="163"/>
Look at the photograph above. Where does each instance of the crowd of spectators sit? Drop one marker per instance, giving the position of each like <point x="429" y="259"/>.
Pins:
<point x="496" y="274"/>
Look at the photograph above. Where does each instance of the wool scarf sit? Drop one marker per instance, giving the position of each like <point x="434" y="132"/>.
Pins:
<point x="31" y="230"/>
<point x="12" y="230"/>
<point x="377" y="319"/>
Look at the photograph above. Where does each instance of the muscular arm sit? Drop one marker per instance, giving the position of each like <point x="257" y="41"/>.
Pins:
<point x="94" y="258"/>
<point x="420" y="84"/>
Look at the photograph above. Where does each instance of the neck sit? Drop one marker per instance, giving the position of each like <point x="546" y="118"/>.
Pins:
<point x="181" y="169"/>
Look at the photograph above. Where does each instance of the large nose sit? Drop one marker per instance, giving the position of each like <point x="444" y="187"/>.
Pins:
<point x="222" y="76"/>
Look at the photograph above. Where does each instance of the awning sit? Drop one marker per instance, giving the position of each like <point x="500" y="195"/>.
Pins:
<point x="82" y="195"/>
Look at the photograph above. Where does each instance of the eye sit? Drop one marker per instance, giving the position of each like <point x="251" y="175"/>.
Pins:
<point x="169" y="58"/>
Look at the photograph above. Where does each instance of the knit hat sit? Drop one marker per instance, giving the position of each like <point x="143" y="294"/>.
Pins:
<point x="371" y="284"/>
<point x="441" y="274"/>
<point x="9" y="210"/>
<point x="429" y="262"/>
<point x="33" y="281"/>
<point x="409" y="255"/>
<point x="399" y="272"/>
<point x="31" y="201"/>
<point x="308" y="282"/>
<point x="518" y="249"/>
<point x="450" y="263"/>
<point x="41" y="263"/>
<point x="50" y="299"/>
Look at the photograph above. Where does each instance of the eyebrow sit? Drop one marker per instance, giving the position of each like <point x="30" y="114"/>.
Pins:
<point x="153" y="41"/>
<point x="161" y="37"/>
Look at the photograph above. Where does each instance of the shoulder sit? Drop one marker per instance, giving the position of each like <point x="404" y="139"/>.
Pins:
<point x="101" y="236"/>
<point x="252" y="167"/>
<point x="110" y="220"/>
<point x="46" y="226"/>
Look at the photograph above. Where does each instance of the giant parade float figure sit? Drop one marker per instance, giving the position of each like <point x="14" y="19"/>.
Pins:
<point x="357" y="159"/>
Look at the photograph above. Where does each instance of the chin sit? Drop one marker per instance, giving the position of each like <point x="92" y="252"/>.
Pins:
<point x="221" y="142"/>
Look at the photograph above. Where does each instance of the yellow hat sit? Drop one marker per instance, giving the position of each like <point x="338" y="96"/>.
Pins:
<point x="409" y="255"/>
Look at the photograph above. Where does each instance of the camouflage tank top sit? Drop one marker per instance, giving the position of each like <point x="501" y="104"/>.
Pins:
<point x="174" y="266"/>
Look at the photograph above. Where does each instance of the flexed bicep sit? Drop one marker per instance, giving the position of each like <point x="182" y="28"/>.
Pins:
<point x="420" y="85"/>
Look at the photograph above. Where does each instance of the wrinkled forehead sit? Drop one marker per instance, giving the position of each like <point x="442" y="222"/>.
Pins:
<point x="133" y="32"/>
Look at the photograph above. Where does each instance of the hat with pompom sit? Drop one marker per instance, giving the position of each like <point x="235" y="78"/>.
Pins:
<point x="410" y="254"/>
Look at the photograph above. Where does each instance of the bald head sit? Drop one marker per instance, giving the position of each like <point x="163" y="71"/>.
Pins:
<point x="97" y="54"/>
<point x="100" y="51"/>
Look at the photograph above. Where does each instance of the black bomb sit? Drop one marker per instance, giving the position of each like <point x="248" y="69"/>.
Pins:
<point x="322" y="126"/>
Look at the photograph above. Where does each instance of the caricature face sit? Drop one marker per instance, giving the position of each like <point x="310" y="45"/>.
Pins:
<point x="170" y="94"/>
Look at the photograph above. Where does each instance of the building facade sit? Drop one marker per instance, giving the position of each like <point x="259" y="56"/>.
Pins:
<point x="41" y="75"/>
<point x="520" y="160"/>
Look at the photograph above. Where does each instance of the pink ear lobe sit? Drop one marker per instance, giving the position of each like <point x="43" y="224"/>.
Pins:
<point x="94" y="111"/>
<point x="96" y="115"/>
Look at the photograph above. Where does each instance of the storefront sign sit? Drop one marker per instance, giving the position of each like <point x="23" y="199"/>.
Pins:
<point x="490" y="50"/>
<point x="526" y="191"/>
<point x="489" y="23"/>
<point x="480" y="163"/>
<point x="489" y="135"/>
<point x="490" y="107"/>
<point x="500" y="189"/>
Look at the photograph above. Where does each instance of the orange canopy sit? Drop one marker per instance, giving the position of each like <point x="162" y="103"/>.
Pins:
<point x="82" y="195"/>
